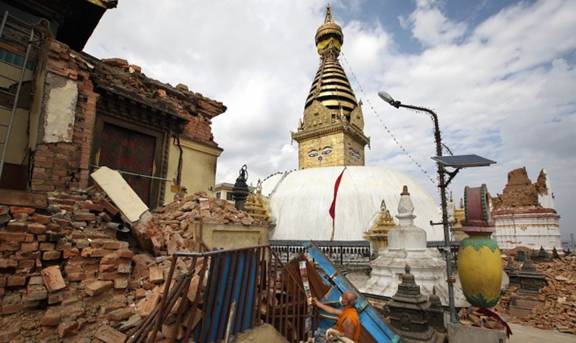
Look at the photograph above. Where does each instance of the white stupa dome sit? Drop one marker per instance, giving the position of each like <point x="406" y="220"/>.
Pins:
<point x="300" y="201"/>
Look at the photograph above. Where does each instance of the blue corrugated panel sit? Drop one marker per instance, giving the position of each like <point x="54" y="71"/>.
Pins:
<point x="369" y="317"/>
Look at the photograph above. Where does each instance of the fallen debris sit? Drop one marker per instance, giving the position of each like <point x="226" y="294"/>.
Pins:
<point x="557" y="307"/>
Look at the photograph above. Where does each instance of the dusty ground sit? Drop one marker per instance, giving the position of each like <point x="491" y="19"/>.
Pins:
<point x="527" y="334"/>
<point x="263" y="333"/>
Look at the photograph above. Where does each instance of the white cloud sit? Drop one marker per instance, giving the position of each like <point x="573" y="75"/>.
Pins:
<point x="431" y="27"/>
<point x="503" y="89"/>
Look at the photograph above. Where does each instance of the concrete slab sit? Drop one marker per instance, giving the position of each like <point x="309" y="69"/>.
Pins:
<point x="120" y="193"/>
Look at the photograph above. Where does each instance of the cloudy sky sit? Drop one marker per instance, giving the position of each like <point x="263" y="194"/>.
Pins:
<point x="500" y="74"/>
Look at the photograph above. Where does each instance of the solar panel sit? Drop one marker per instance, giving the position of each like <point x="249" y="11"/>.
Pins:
<point x="463" y="161"/>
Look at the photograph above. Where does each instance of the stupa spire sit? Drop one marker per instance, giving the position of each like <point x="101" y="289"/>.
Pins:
<point x="331" y="133"/>
<point x="328" y="17"/>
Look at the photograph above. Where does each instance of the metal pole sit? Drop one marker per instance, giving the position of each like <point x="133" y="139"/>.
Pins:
<point x="444" y="204"/>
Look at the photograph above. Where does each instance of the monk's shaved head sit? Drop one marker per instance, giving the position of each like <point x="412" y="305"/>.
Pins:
<point x="349" y="298"/>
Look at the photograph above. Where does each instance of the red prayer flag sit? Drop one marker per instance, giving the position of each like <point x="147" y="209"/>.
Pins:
<point x="332" y="210"/>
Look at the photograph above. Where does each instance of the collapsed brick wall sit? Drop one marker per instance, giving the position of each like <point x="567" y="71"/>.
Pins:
<point x="62" y="165"/>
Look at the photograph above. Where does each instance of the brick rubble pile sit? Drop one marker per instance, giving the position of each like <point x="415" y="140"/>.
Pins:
<point x="172" y="227"/>
<point x="557" y="309"/>
<point x="66" y="276"/>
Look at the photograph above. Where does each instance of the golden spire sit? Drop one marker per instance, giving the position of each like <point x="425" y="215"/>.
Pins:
<point x="331" y="133"/>
<point x="378" y="233"/>
<point x="331" y="86"/>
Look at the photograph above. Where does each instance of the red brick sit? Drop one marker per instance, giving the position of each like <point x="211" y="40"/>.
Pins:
<point x="67" y="328"/>
<point x="36" y="228"/>
<point x="51" y="255"/>
<point x="98" y="287"/>
<point x="40" y="219"/>
<point x="16" y="281"/>
<point x="2" y="281"/>
<point x="41" y="238"/>
<point x="92" y="207"/>
<point x="109" y="259"/>
<point x="76" y="276"/>
<point x="100" y="252"/>
<point x="125" y="253"/>
<point x="28" y="247"/>
<point x="107" y="268"/>
<point x="125" y="267"/>
<point x="69" y="253"/>
<point x="120" y="314"/>
<point x="9" y="246"/>
<point x="51" y="317"/>
<point x="120" y="283"/>
<point x="14" y="226"/>
<point x="109" y="335"/>
<point x="46" y="246"/>
<point x="12" y="236"/>
<point x="55" y="298"/>
<point x="84" y="217"/>
<point x="27" y="210"/>
<point x="26" y="264"/>
<point x="35" y="293"/>
<point x="8" y="263"/>
<point x="156" y="274"/>
<point x="53" y="279"/>
<point x="12" y="308"/>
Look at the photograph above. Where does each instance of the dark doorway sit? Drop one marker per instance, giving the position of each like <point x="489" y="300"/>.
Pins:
<point x="131" y="151"/>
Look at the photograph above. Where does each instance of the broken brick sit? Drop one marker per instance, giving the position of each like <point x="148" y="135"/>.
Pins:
<point x="45" y="246"/>
<point x="98" y="287"/>
<point x="120" y="314"/>
<point x="156" y="274"/>
<point x="12" y="236"/>
<point x="36" y="228"/>
<point x="15" y="281"/>
<point x="28" y="247"/>
<point x="109" y="335"/>
<point x="51" y="255"/>
<point x="53" y="279"/>
<point x="67" y="328"/>
<point x="51" y="317"/>
<point x="15" y="226"/>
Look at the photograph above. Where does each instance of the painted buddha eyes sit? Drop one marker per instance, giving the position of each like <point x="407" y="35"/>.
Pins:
<point x="325" y="151"/>
<point x="355" y="154"/>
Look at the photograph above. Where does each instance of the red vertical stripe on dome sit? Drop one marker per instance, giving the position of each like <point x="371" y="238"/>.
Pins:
<point x="332" y="210"/>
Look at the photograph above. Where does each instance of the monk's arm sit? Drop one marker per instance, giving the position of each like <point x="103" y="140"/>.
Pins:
<point x="327" y="308"/>
<point x="348" y="328"/>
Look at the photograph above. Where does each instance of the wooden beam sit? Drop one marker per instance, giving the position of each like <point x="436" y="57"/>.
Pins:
<point x="22" y="198"/>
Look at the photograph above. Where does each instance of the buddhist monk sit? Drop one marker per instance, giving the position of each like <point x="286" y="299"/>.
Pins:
<point x="347" y="328"/>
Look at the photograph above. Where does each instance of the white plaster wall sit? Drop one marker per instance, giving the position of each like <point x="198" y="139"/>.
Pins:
<point x="528" y="230"/>
<point x="61" y="97"/>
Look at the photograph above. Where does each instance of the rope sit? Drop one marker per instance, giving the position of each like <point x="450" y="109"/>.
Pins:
<point x="379" y="118"/>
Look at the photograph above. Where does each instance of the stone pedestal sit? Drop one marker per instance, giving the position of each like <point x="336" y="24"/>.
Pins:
<point x="409" y="312"/>
<point x="407" y="245"/>
<point x="531" y="281"/>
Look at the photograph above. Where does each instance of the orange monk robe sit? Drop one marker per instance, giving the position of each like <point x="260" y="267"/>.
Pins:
<point x="350" y="314"/>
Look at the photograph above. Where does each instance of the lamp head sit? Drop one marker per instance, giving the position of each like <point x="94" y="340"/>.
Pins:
<point x="388" y="98"/>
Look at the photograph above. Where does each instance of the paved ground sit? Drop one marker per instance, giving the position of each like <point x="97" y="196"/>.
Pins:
<point x="526" y="334"/>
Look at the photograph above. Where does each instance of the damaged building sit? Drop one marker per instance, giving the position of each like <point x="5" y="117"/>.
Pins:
<point x="64" y="113"/>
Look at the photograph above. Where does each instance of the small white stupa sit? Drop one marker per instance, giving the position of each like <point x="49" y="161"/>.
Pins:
<point x="407" y="246"/>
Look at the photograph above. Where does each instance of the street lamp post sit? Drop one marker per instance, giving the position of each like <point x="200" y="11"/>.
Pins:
<point x="442" y="185"/>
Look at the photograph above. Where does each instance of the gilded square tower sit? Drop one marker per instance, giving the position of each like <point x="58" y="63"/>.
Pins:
<point x="331" y="132"/>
